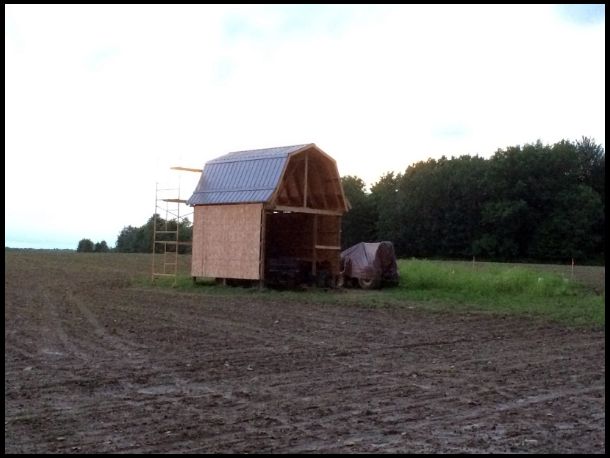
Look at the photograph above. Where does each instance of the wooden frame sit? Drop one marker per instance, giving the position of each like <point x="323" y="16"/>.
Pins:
<point x="302" y="220"/>
<point x="310" y="180"/>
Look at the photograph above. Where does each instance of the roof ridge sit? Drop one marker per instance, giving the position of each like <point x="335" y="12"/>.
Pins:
<point x="265" y="153"/>
<point x="271" y="147"/>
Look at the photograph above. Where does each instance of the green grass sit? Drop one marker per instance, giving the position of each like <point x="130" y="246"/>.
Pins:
<point x="484" y="281"/>
<point x="445" y="286"/>
<point x="504" y="289"/>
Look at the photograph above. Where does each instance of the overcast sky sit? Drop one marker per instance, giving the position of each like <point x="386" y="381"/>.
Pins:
<point x="100" y="100"/>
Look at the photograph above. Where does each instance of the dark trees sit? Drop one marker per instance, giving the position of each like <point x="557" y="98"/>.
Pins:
<point x="535" y="202"/>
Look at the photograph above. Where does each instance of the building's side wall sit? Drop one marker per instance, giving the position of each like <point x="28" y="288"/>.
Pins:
<point x="226" y="241"/>
<point x="197" y="250"/>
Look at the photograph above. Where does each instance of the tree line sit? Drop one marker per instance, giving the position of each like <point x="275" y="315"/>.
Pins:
<point x="133" y="239"/>
<point x="535" y="202"/>
<point x="87" y="246"/>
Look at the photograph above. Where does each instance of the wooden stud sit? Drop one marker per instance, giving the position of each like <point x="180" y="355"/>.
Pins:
<point x="314" y="211"/>
<point x="295" y="185"/>
<point x="305" y="180"/>
<point x="187" y="169"/>
<point x="315" y="241"/>
<point x="263" y="242"/>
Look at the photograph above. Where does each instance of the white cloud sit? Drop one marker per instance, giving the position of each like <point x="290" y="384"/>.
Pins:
<point x="102" y="99"/>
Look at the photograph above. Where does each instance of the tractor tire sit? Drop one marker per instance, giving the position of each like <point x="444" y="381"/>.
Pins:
<point x="340" y="281"/>
<point x="369" y="283"/>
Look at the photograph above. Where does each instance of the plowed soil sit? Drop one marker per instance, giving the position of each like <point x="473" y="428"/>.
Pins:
<point x="94" y="364"/>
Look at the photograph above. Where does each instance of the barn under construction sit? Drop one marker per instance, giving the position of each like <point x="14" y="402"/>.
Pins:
<point x="267" y="215"/>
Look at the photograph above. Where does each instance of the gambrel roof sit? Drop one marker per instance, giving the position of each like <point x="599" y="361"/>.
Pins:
<point x="242" y="176"/>
<point x="249" y="176"/>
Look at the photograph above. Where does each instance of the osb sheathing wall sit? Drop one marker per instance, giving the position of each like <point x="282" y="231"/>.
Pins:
<point x="226" y="241"/>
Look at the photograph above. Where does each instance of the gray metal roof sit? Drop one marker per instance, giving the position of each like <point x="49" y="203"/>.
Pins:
<point x="242" y="176"/>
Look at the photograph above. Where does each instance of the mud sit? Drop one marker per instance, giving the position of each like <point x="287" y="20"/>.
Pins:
<point x="93" y="365"/>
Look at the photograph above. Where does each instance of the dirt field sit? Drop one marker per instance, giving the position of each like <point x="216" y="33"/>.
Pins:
<point x="95" y="365"/>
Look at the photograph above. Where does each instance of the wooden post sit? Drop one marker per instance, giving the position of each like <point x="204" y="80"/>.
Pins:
<point x="305" y="181"/>
<point x="315" y="242"/>
<point x="261" y="263"/>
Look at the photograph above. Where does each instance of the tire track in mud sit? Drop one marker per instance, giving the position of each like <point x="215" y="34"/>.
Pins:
<point x="56" y="336"/>
<point x="334" y="418"/>
<point x="185" y="373"/>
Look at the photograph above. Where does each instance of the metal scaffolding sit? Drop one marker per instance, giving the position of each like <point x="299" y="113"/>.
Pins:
<point x="166" y="231"/>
